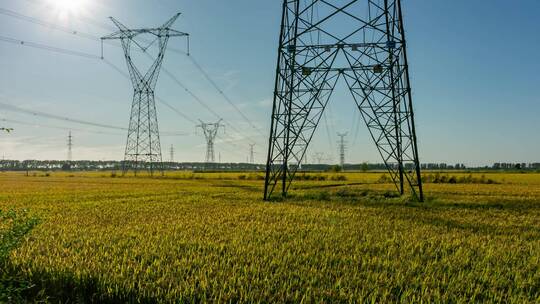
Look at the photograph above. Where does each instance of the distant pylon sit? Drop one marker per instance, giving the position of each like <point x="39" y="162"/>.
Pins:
<point x="143" y="148"/>
<point x="319" y="157"/>
<point x="251" y="154"/>
<point x="342" y="148"/>
<point x="210" y="131"/>
<point x="70" y="147"/>
<point x="171" y="154"/>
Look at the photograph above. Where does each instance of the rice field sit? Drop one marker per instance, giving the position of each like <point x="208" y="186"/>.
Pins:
<point x="344" y="237"/>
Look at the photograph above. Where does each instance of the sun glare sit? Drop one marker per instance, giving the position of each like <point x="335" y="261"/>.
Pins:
<point x="68" y="8"/>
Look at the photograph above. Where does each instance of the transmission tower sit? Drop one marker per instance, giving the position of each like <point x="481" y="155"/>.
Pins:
<point x="342" y="147"/>
<point x="361" y="42"/>
<point x="319" y="157"/>
<point x="210" y="131"/>
<point x="171" y="151"/>
<point x="251" y="154"/>
<point x="143" y="148"/>
<point x="70" y="147"/>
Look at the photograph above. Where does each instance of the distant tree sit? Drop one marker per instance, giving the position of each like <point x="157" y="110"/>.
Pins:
<point x="335" y="168"/>
<point x="8" y="130"/>
<point x="365" y="167"/>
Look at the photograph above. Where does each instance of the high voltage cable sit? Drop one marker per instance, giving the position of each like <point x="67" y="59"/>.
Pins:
<point x="84" y="55"/>
<point x="48" y="48"/>
<point x="160" y="100"/>
<point x="91" y="56"/>
<point x="180" y="84"/>
<point x="329" y="137"/>
<point x="166" y="103"/>
<point x="214" y="84"/>
<point x="56" y="127"/>
<point x="67" y="30"/>
<point x="13" y="108"/>
<point x="175" y="110"/>
<point x="199" y="100"/>
<point x="191" y="58"/>
<point x="167" y="72"/>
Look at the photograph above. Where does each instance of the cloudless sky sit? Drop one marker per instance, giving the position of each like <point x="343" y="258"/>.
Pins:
<point x="474" y="68"/>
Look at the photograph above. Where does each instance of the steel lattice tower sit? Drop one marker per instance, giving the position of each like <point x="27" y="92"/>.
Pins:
<point x="210" y="131"/>
<point x="318" y="156"/>
<point x="143" y="148"/>
<point x="342" y="148"/>
<point x="70" y="147"/>
<point x="251" y="153"/>
<point x="360" y="42"/>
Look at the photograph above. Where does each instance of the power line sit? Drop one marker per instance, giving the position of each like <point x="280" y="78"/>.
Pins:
<point x="91" y="56"/>
<point x="48" y="48"/>
<point x="95" y="38"/>
<point x="175" y="79"/>
<point x="229" y="101"/>
<point x="13" y="108"/>
<point x="84" y="55"/>
<point x="55" y="127"/>
<point x="329" y="137"/>
<point x="161" y="100"/>
<point x="104" y="26"/>
<point x="50" y="25"/>
<point x="199" y="100"/>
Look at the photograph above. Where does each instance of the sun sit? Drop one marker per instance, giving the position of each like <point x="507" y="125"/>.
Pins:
<point x="68" y="8"/>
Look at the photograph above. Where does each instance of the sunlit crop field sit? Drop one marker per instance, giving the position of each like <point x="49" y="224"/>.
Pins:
<point x="193" y="237"/>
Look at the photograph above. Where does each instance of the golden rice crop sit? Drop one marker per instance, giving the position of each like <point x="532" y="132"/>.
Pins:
<point x="184" y="239"/>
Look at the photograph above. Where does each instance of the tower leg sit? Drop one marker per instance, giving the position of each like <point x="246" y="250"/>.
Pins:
<point x="143" y="148"/>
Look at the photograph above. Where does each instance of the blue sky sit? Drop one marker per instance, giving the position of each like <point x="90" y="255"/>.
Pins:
<point x="474" y="68"/>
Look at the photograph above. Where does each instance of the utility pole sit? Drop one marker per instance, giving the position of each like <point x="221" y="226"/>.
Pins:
<point x="172" y="154"/>
<point x="251" y="154"/>
<point x="70" y="147"/>
<point x="342" y="148"/>
<point x="210" y="131"/>
<point x="143" y="148"/>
